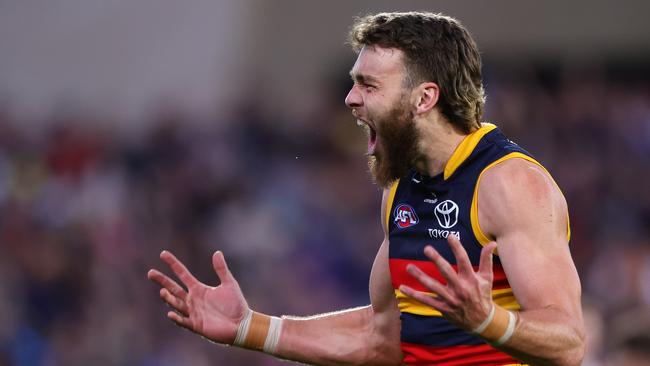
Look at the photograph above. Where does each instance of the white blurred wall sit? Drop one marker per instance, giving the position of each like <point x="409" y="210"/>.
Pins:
<point x="119" y="54"/>
<point x="124" y="54"/>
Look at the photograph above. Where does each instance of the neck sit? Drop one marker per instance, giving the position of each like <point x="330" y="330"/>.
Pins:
<point x="438" y="141"/>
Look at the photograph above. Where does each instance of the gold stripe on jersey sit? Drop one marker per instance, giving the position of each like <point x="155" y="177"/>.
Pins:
<point x="502" y="297"/>
<point x="389" y="203"/>
<point x="465" y="149"/>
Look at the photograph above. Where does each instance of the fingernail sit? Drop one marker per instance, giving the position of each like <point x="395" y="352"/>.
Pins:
<point x="412" y="269"/>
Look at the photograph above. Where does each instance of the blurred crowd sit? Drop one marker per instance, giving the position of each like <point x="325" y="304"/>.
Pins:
<point x="86" y="207"/>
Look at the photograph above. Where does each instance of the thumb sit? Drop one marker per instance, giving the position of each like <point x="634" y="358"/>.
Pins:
<point x="485" y="264"/>
<point x="221" y="268"/>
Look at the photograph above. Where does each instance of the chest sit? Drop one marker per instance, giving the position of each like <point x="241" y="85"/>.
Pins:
<point x="426" y="213"/>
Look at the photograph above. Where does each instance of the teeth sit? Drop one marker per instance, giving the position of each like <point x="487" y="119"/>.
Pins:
<point x="360" y="123"/>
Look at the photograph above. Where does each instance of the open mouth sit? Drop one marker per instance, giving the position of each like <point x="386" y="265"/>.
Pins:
<point x="372" y="135"/>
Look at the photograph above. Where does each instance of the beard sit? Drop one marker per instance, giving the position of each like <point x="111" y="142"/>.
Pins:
<point x="397" y="149"/>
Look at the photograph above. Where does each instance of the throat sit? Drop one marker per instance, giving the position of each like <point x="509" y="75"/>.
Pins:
<point x="437" y="147"/>
<point x="430" y="168"/>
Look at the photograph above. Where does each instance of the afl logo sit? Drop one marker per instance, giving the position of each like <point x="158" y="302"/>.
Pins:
<point x="405" y="216"/>
<point x="447" y="214"/>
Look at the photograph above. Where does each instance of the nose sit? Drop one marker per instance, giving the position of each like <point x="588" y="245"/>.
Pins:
<point x="354" y="99"/>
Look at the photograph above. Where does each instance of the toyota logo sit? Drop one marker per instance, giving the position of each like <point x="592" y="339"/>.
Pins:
<point x="447" y="214"/>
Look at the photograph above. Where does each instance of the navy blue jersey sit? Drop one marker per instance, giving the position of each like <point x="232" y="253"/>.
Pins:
<point x="425" y="210"/>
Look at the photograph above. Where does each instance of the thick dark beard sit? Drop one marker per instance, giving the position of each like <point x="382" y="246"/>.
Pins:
<point x="398" y="151"/>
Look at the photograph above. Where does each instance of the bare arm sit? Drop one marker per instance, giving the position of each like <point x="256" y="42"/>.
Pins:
<point x="524" y="210"/>
<point x="361" y="336"/>
<point x="519" y="206"/>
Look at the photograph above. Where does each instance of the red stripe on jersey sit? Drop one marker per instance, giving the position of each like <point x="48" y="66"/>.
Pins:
<point x="484" y="355"/>
<point x="400" y="276"/>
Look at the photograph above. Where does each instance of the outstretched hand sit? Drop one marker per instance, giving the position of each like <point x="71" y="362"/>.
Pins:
<point x="466" y="299"/>
<point x="212" y="312"/>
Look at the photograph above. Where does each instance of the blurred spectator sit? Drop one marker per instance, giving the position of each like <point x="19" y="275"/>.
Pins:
<point x="630" y="338"/>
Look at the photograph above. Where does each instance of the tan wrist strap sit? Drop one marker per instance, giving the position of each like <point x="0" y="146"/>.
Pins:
<point x="259" y="332"/>
<point x="498" y="327"/>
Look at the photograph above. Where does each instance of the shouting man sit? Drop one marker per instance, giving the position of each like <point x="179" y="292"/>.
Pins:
<point x="456" y="193"/>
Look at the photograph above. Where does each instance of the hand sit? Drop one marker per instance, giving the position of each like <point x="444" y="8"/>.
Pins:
<point x="466" y="300"/>
<point x="212" y="312"/>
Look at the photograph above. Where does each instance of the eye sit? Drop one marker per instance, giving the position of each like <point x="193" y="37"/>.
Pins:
<point x="369" y="88"/>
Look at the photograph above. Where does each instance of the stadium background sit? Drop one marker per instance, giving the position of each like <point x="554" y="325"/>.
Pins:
<point x="127" y="127"/>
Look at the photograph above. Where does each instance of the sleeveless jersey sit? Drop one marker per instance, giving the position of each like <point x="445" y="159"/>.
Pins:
<point x="424" y="211"/>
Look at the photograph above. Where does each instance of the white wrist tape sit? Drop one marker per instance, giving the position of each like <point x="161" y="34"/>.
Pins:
<point x="498" y="327"/>
<point x="486" y="322"/>
<point x="512" y="320"/>
<point x="242" y="330"/>
<point x="259" y="332"/>
<point x="273" y="336"/>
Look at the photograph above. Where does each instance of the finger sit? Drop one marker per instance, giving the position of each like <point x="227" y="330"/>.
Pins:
<point x="181" y="321"/>
<point x="462" y="259"/>
<point x="428" y="282"/>
<point x="173" y="301"/>
<point x="425" y="298"/>
<point x="179" y="268"/>
<point x="446" y="270"/>
<point x="167" y="283"/>
<point x="221" y="268"/>
<point x="485" y="265"/>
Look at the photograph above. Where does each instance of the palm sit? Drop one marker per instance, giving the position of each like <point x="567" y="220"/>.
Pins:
<point x="213" y="312"/>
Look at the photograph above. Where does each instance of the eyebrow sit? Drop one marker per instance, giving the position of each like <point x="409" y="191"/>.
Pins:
<point x="363" y="79"/>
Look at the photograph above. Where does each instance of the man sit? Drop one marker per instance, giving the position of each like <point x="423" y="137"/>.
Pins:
<point x="455" y="190"/>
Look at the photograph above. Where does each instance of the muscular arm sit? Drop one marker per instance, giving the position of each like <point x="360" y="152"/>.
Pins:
<point x="523" y="209"/>
<point x="363" y="336"/>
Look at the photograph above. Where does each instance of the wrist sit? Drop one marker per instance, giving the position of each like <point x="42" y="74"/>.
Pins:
<point x="498" y="327"/>
<point x="259" y="332"/>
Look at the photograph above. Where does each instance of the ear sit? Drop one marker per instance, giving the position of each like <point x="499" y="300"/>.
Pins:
<point x="427" y="97"/>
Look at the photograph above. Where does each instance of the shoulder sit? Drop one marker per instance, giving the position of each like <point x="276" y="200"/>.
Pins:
<point x="519" y="192"/>
<point x="518" y="175"/>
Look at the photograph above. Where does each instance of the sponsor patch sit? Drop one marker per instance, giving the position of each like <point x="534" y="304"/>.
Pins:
<point x="447" y="214"/>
